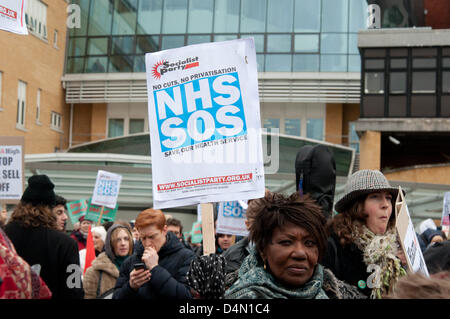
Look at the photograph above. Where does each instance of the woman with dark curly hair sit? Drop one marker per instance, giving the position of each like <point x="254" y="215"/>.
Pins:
<point x="289" y="241"/>
<point x="363" y="247"/>
<point x="33" y="231"/>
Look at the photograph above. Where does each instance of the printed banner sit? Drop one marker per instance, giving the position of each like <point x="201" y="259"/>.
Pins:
<point x="205" y="129"/>
<point x="445" y="220"/>
<point x="76" y="209"/>
<point x="106" y="189"/>
<point x="231" y="217"/>
<point x="12" y="16"/>
<point x="408" y="237"/>
<point x="11" y="181"/>
<point x="94" y="211"/>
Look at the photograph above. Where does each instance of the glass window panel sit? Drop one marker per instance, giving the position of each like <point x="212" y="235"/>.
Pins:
<point x="139" y="63"/>
<point x="75" y="65"/>
<point x="354" y="138"/>
<point x="374" y="64"/>
<point x="226" y="16"/>
<point x="423" y="82"/>
<point x="446" y="51"/>
<point x="77" y="47"/>
<point x="374" y="83"/>
<point x="259" y="40"/>
<point x="102" y="11"/>
<point x="96" y="64"/>
<point x="333" y="43"/>
<point x="147" y="44"/>
<point x="172" y="41"/>
<point x="136" y="126"/>
<point x="84" y="15"/>
<point x="423" y="106"/>
<point x="224" y="37"/>
<point x="253" y="16"/>
<point x="333" y="63"/>
<point x="354" y="63"/>
<point x="278" y="43"/>
<point x="175" y="16"/>
<point x="149" y="17"/>
<point x="334" y="15"/>
<point x="445" y="82"/>
<point x="121" y="63"/>
<point x="279" y="16"/>
<point x="115" y="127"/>
<point x="292" y="127"/>
<point x="374" y="53"/>
<point x="314" y="129"/>
<point x="200" y="16"/>
<point x="358" y="15"/>
<point x="397" y="106"/>
<point x="424" y="52"/>
<point x="307" y="16"/>
<point x="398" y="63"/>
<point x="353" y="43"/>
<point x="97" y="46"/>
<point x="373" y="106"/>
<point x="397" y="82"/>
<point x="424" y="63"/>
<point x="398" y="52"/>
<point x="122" y="45"/>
<point x="125" y="17"/>
<point x="271" y="123"/>
<point x="445" y="106"/>
<point x="305" y="62"/>
<point x="278" y="63"/>
<point x="306" y="43"/>
<point x="446" y="62"/>
<point x="260" y="58"/>
<point x="195" y="39"/>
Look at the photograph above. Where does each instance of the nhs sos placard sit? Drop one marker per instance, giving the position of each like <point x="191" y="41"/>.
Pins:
<point x="231" y="218"/>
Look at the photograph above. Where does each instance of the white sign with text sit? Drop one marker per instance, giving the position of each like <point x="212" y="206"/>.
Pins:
<point x="12" y="16"/>
<point x="106" y="189"/>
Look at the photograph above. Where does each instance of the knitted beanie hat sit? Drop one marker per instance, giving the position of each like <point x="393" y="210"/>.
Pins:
<point x="361" y="183"/>
<point x="39" y="191"/>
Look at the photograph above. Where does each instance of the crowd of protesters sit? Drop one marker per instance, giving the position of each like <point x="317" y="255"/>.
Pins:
<point x="296" y="248"/>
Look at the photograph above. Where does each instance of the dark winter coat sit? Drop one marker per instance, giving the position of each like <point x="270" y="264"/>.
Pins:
<point x="79" y="238"/>
<point x="346" y="263"/>
<point x="54" y="251"/>
<point x="168" y="278"/>
<point x="235" y="255"/>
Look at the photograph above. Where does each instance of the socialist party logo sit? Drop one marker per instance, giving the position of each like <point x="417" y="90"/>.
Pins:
<point x="162" y="67"/>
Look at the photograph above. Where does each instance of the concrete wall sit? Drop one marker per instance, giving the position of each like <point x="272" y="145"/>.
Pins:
<point x="40" y="65"/>
<point x="370" y="150"/>
<point x="334" y="123"/>
<point x="432" y="174"/>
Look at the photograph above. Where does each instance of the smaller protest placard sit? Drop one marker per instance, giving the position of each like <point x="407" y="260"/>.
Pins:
<point x="106" y="189"/>
<point x="445" y="220"/>
<point x="101" y="214"/>
<point x="408" y="237"/>
<point x="11" y="169"/>
<point x="196" y="233"/>
<point x="12" y="16"/>
<point x="231" y="217"/>
<point x="76" y="209"/>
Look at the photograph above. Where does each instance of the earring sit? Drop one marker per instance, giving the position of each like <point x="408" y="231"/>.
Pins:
<point x="265" y="267"/>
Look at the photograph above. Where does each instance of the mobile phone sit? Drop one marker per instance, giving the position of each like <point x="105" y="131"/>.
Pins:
<point x="139" y="266"/>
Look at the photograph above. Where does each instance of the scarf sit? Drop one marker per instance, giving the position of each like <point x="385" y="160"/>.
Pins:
<point x="255" y="282"/>
<point x="380" y="250"/>
<point x="119" y="260"/>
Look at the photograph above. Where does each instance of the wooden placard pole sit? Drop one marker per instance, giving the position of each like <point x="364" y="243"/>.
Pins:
<point x="209" y="242"/>
<point x="101" y="215"/>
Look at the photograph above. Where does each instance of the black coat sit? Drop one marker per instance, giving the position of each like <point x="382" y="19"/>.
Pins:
<point x="168" y="279"/>
<point x="54" y="251"/>
<point x="346" y="263"/>
<point x="235" y="255"/>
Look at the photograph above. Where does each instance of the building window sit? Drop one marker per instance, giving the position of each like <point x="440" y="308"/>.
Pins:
<point x="55" y="39"/>
<point x="38" y="106"/>
<point x="292" y="127"/>
<point x="270" y="123"/>
<point x="36" y="18"/>
<point x="314" y="129"/>
<point x="55" y="121"/>
<point x="353" y="138"/>
<point x="136" y="126"/>
<point x="374" y="83"/>
<point x="21" y="104"/>
<point x="424" y="82"/>
<point x="115" y="127"/>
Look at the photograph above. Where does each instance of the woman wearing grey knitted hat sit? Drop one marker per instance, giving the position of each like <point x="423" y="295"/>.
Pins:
<point x="100" y="278"/>
<point x="363" y="246"/>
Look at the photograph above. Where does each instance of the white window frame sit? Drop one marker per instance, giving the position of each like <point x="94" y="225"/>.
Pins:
<point x="36" y="12"/>
<point x="21" y="105"/>
<point x="55" y="39"/>
<point x="56" y="121"/>
<point x="38" y="106"/>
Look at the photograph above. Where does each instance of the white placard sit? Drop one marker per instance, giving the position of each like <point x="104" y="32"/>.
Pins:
<point x="106" y="189"/>
<point x="204" y="118"/>
<point x="445" y="220"/>
<point x="231" y="218"/>
<point x="12" y="16"/>
<point x="11" y="172"/>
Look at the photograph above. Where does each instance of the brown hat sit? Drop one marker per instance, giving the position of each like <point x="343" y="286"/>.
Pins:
<point x="361" y="183"/>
